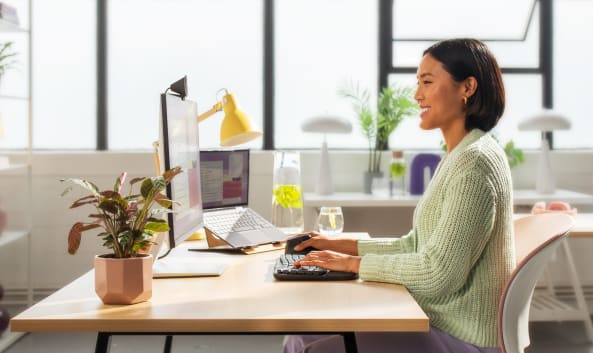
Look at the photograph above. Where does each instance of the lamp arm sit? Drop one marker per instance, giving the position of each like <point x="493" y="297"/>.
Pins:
<point x="215" y="108"/>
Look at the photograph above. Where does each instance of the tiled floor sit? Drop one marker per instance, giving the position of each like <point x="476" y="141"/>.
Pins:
<point x="545" y="337"/>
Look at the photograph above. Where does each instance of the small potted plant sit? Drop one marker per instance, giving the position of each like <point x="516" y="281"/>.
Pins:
<point x="393" y="105"/>
<point x="7" y="56"/>
<point x="127" y="224"/>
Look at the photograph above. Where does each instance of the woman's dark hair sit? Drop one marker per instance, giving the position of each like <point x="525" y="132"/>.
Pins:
<point x="463" y="58"/>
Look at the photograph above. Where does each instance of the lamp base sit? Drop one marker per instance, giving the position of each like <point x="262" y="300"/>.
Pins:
<point x="544" y="183"/>
<point x="324" y="180"/>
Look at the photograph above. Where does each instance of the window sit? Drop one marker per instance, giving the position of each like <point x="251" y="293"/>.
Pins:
<point x="516" y="46"/>
<point x="216" y="43"/>
<point x="319" y="47"/>
<point x="64" y="73"/>
<point x="572" y="71"/>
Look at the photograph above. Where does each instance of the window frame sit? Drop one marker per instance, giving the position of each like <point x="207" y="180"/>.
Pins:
<point x="385" y="66"/>
<point x="545" y="66"/>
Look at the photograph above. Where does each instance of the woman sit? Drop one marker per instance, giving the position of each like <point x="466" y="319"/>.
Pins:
<point x="459" y="254"/>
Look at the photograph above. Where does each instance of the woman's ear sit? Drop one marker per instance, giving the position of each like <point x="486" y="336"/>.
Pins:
<point x="470" y="85"/>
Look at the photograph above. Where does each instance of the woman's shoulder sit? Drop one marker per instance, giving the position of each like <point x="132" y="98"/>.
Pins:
<point x="484" y="154"/>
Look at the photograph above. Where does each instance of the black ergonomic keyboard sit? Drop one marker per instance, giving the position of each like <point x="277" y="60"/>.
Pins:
<point x="284" y="270"/>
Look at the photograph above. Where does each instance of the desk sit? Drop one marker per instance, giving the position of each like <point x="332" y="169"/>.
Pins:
<point x="245" y="299"/>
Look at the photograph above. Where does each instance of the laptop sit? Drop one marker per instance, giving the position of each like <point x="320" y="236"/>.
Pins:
<point x="224" y="178"/>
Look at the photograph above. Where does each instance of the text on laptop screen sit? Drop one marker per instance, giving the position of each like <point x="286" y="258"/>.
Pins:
<point x="225" y="178"/>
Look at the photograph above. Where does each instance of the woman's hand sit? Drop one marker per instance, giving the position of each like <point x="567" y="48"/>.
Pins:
<point x="330" y="260"/>
<point x="323" y="242"/>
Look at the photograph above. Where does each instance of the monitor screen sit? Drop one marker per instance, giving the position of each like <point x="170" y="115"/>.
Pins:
<point x="225" y="178"/>
<point x="180" y="147"/>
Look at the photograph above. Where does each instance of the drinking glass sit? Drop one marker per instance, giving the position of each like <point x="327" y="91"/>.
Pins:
<point x="331" y="221"/>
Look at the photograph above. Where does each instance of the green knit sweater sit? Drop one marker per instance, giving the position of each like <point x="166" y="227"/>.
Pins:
<point x="459" y="254"/>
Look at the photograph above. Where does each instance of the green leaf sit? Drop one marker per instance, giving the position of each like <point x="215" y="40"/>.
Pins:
<point x="514" y="155"/>
<point x="156" y="227"/>
<point x="84" y="184"/>
<point x="152" y="186"/>
<point x="394" y="103"/>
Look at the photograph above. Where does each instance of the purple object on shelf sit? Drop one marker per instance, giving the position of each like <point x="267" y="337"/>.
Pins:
<point x="419" y="164"/>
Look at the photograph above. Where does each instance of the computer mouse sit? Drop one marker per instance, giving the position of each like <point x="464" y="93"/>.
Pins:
<point x="292" y="242"/>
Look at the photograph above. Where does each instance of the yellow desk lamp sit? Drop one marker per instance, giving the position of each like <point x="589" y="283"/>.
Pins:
<point x="236" y="128"/>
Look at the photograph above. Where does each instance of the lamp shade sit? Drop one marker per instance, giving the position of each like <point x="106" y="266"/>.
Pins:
<point x="327" y="124"/>
<point x="546" y="120"/>
<point x="236" y="127"/>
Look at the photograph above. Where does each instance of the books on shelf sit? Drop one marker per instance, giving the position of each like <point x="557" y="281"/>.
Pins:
<point x="8" y="13"/>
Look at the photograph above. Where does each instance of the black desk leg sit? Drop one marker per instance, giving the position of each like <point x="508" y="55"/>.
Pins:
<point x="103" y="342"/>
<point x="168" y="344"/>
<point x="350" y="342"/>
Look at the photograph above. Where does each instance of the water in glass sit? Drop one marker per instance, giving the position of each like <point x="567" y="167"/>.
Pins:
<point x="331" y="220"/>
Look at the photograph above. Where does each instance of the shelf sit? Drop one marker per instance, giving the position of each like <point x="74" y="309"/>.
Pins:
<point x="359" y="199"/>
<point x="8" y="236"/>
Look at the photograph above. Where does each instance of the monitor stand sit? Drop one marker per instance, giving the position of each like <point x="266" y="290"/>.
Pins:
<point x="176" y="268"/>
<point x="165" y="266"/>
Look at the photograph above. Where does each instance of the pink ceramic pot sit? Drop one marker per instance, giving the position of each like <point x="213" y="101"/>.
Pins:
<point x="123" y="281"/>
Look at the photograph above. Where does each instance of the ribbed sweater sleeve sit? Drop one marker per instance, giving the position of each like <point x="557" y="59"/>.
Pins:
<point x="404" y="244"/>
<point x="442" y="265"/>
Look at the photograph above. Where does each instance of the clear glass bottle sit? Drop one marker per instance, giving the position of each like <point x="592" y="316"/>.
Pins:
<point x="397" y="170"/>
<point x="287" y="200"/>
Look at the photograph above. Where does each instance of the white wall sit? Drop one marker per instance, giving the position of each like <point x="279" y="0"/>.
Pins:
<point x="53" y="266"/>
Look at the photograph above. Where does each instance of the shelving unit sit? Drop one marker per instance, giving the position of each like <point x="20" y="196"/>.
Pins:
<point x="17" y="234"/>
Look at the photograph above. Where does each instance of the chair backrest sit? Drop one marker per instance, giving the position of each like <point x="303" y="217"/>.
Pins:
<point x="536" y="239"/>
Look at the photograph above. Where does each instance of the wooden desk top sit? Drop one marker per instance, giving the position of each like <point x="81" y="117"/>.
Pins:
<point x="246" y="298"/>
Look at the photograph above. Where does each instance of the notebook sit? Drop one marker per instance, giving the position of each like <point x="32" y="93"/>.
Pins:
<point x="225" y="195"/>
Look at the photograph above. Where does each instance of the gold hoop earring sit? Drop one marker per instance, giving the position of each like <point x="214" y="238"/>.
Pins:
<point x="465" y="100"/>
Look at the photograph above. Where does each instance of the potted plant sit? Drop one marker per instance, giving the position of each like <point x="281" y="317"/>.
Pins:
<point x="127" y="224"/>
<point x="393" y="105"/>
<point x="7" y="55"/>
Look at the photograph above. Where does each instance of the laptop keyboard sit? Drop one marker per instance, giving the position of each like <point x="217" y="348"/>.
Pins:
<point x="223" y="222"/>
<point x="284" y="270"/>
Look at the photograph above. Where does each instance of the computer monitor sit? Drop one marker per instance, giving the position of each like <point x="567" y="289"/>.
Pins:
<point x="180" y="147"/>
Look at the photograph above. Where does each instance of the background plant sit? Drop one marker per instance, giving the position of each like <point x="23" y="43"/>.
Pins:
<point x="7" y="56"/>
<point x="394" y="103"/>
<point x="514" y="154"/>
<point x="128" y="222"/>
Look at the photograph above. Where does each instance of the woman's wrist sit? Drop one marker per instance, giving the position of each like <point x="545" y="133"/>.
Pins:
<point x="355" y="264"/>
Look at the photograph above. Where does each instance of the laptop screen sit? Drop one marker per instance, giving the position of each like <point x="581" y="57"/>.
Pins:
<point x="225" y="178"/>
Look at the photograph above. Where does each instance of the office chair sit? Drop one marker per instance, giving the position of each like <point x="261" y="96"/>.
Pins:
<point x="536" y="239"/>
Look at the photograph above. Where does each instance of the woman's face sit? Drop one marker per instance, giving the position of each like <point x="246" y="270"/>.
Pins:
<point x="439" y="96"/>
